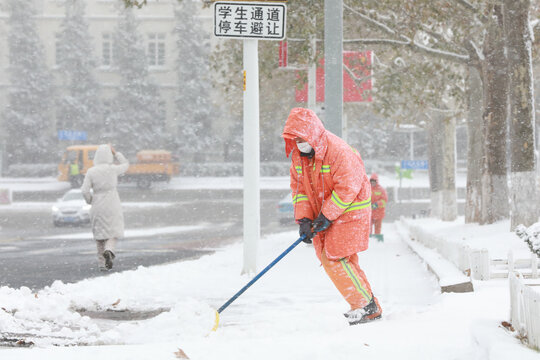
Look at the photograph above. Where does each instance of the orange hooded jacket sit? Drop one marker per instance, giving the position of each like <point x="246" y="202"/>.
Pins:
<point x="379" y="197"/>
<point x="334" y="181"/>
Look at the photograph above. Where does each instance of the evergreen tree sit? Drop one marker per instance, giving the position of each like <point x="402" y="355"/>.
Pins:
<point x="137" y="120"/>
<point x="30" y="133"/>
<point x="193" y="101"/>
<point x="79" y="108"/>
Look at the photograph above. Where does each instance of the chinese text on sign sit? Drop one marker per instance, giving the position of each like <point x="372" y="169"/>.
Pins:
<point x="249" y="20"/>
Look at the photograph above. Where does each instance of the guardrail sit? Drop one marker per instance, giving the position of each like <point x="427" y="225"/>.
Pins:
<point x="525" y="309"/>
<point x="451" y="279"/>
<point x="455" y="252"/>
<point x="527" y="267"/>
<point x="477" y="261"/>
<point x="524" y="296"/>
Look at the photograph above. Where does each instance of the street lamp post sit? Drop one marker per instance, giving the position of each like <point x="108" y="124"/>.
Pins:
<point x="333" y="65"/>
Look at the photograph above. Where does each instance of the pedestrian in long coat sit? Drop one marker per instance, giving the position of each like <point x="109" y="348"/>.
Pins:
<point x="332" y="199"/>
<point x="99" y="190"/>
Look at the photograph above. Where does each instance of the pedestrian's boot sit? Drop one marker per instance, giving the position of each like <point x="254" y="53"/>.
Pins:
<point x="380" y="237"/>
<point x="370" y="312"/>
<point x="109" y="257"/>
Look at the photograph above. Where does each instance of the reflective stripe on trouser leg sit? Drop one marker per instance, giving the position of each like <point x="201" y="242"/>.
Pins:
<point x="349" y="279"/>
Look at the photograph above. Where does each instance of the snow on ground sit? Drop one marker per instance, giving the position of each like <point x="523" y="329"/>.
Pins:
<point x="189" y="183"/>
<point x="176" y="183"/>
<point x="135" y="233"/>
<point x="33" y="184"/>
<point x="293" y="312"/>
<point x="420" y="179"/>
<point x="47" y="205"/>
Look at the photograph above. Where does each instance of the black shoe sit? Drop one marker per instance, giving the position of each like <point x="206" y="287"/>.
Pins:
<point x="109" y="257"/>
<point x="370" y="312"/>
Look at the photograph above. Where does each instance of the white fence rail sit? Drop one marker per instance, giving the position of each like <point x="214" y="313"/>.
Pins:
<point x="455" y="252"/>
<point x="525" y="309"/>
<point x="475" y="260"/>
<point x="527" y="267"/>
<point x="524" y="297"/>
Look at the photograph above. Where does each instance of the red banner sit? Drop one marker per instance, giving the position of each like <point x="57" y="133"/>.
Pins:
<point x="359" y="63"/>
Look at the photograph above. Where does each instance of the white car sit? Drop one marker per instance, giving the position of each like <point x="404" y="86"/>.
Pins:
<point x="71" y="209"/>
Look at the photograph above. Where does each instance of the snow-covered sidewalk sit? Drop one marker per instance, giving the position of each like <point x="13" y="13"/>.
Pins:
<point x="293" y="312"/>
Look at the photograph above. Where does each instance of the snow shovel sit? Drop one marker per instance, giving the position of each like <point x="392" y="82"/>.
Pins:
<point x="257" y="277"/>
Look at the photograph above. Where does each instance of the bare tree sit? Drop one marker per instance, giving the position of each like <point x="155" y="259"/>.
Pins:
<point x="519" y="45"/>
<point x="459" y="36"/>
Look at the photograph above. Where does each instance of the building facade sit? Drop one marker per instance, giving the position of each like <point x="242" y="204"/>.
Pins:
<point x="157" y="23"/>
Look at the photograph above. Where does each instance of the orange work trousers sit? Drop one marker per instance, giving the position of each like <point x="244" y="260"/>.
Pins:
<point x="349" y="279"/>
<point x="378" y="225"/>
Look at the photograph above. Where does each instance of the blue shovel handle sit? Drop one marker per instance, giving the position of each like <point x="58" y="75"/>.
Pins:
<point x="276" y="260"/>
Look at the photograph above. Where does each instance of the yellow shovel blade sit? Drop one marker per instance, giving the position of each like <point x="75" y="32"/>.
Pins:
<point x="216" y="322"/>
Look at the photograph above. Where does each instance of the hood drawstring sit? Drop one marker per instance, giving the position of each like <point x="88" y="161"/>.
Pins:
<point x="297" y="184"/>
<point x="294" y="204"/>
<point x="322" y="179"/>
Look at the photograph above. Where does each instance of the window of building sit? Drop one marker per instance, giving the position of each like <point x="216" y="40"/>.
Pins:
<point x="156" y="49"/>
<point x="106" y="49"/>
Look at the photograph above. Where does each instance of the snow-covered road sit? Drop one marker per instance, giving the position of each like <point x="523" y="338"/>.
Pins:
<point x="293" y="312"/>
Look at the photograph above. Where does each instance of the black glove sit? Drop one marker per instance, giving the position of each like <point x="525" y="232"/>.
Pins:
<point x="305" y="229"/>
<point x="321" y="223"/>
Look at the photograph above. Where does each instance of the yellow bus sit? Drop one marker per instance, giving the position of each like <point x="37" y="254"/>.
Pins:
<point x="151" y="166"/>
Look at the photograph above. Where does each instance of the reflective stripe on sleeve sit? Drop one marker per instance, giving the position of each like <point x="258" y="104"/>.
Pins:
<point x="336" y="200"/>
<point x="299" y="197"/>
<point x="358" y="205"/>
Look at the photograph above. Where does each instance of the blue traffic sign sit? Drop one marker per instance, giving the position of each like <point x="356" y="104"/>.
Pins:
<point x="414" y="164"/>
<point x="72" y="135"/>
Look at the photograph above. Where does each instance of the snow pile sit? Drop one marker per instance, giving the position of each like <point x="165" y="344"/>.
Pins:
<point x="51" y="316"/>
<point x="47" y="316"/>
<point x="530" y="235"/>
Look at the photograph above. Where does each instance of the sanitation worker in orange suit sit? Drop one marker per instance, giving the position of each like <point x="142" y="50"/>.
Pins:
<point x="332" y="200"/>
<point x="378" y="205"/>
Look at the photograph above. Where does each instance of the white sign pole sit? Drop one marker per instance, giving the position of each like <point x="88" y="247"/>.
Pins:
<point x="250" y="21"/>
<point x="252" y="216"/>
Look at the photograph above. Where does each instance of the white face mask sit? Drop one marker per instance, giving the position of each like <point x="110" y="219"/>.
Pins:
<point x="304" y="147"/>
